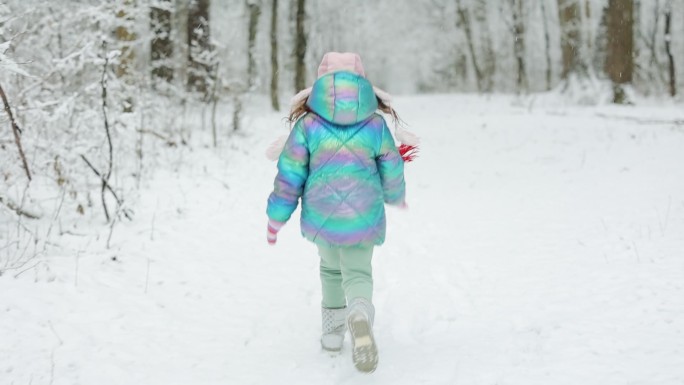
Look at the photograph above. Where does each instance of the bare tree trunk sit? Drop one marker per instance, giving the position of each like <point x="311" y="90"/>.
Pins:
<point x="254" y="12"/>
<point x="214" y="103"/>
<point x="464" y="20"/>
<point x="274" y="55"/>
<point x="641" y="36"/>
<point x="300" y="47"/>
<point x="547" y="46"/>
<point x="199" y="45"/>
<point x="161" y="49"/>
<point x="619" y="64"/>
<point x="488" y="58"/>
<point x="179" y="36"/>
<point x="519" y="43"/>
<point x="237" y="111"/>
<point x="668" y="50"/>
<point x="589" y="39"/>
<point x="570" y="17"/>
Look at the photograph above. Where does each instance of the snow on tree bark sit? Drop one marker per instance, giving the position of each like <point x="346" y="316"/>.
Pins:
<point x="199" y="46"/>
<point x="161" y="46"/>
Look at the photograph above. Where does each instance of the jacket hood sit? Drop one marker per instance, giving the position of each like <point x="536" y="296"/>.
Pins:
<point x="343" y="98"/>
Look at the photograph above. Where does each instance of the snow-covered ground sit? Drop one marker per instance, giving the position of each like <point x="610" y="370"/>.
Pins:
<point x="543" y="245"/>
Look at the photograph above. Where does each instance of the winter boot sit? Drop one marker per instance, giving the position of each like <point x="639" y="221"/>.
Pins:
<point x="333" y="328"/>
<point x="360" y="323"/>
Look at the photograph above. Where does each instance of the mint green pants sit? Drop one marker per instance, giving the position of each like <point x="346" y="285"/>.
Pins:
<point x="346" y="273"/>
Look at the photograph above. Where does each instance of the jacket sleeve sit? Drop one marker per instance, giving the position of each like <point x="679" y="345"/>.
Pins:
<point x="391" y="169"/>
<point x="293" y="170"/>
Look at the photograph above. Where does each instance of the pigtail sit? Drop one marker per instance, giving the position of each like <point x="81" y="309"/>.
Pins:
<point x="298" y="105"/>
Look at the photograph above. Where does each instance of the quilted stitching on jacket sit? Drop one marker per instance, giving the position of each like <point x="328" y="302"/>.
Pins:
<point x="343" y="170"/>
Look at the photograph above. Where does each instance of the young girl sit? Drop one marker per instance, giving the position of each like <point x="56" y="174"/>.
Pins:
<point x="341" y="160"/>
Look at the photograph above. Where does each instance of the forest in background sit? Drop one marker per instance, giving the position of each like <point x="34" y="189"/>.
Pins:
<point x="97" y="95"/>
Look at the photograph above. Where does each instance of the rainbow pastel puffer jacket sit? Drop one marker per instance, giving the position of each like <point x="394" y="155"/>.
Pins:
<point x="342" y="161"/>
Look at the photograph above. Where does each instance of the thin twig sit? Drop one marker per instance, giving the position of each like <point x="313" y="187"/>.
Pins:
<point x="17" y="132"/>
<point x="147" y="275"/>
<point x="57" y="212"/>
<point x="636" y="251"/>
<point x="214" y="99"/>
<point x="18" y="210"/>
<point x="169" y="142"/>
<point x="27" y="269"/>
<point x="78" y="256"/>
<point x="106" y="184"/>
<point x="103" y="82"/>
<point x="154" y="218"/>
<point x="55" y="333"/>
<point x="52" y="355"/>
<point x="139" y="150"/>
<point x="111" y="231"/>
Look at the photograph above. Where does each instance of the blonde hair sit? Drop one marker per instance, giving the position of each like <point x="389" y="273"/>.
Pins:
<point x="300" y="108"/>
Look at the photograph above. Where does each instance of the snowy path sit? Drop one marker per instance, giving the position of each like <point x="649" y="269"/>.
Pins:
<point x="540" y="247"/>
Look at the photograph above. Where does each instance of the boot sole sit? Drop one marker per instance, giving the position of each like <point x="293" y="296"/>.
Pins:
<point x="364" y="350"/>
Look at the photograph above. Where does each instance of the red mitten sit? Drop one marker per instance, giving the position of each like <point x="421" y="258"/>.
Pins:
<point x="408" y="152"/>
